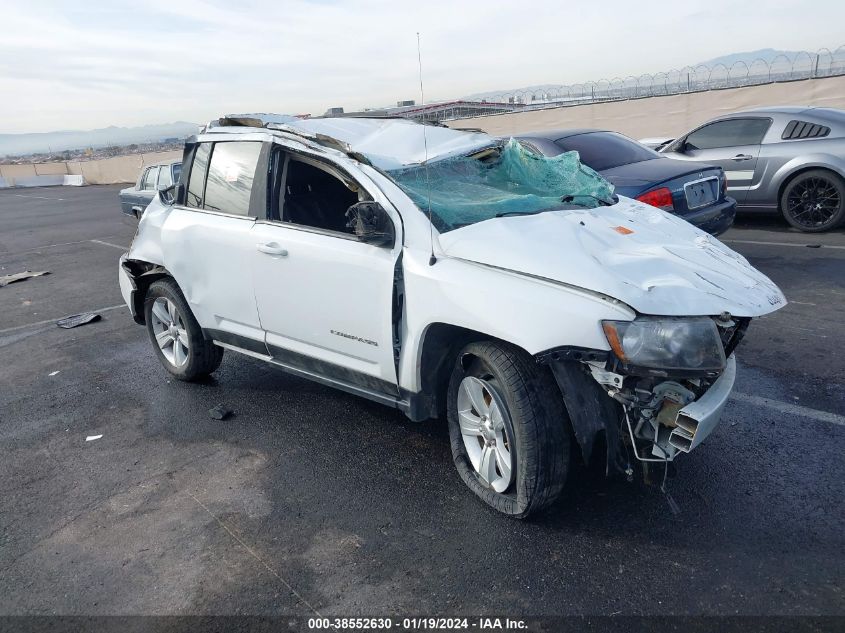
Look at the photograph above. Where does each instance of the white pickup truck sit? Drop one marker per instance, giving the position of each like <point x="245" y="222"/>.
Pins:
<point x="447" y="272"/>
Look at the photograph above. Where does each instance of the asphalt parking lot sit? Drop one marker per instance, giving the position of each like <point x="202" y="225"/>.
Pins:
<point x="311" y="501"/>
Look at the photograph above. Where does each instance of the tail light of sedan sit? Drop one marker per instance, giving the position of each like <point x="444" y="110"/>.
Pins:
<point x="660" y="198"/>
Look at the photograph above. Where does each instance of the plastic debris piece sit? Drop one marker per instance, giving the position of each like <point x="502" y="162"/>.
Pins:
<point x="53" y="373"/>
<point x="75" y="320"/>
<point x="220" y="412"/>
<point x="622" y="230"/>
<point x="91" y="438"/>
<point x="814" y="245"/>
<point x="5" y="280"/>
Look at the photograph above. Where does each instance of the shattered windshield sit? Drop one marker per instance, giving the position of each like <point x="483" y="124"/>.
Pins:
<point x="510" y="180"/>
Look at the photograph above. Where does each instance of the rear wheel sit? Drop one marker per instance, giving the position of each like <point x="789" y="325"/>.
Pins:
<point x="508" y="428"/>
<point x="175" y="334"/>
<point x="814" y="201"/>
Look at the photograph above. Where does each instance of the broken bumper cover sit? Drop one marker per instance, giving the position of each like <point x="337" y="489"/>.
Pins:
<point x="697" y="420"/>
<point x="127" y="286"/>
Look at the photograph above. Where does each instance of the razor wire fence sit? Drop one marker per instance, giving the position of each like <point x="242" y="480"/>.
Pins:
<point x="781" y="68"/>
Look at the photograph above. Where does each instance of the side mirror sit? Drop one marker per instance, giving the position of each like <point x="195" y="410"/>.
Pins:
<point x="171" y="194"/>
<point x="371" y="224"/>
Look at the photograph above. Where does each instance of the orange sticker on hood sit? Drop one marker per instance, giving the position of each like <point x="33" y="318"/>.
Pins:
<point x="622" y="230"/>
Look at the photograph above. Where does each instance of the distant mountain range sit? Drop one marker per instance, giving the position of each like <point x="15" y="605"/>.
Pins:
<point x="15" y="144"/>
<point x="766" y="54"/>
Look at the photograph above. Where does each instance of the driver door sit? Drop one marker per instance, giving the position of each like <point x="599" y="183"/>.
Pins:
<point x="732" y="144"/>
<point x="325" y="300"/>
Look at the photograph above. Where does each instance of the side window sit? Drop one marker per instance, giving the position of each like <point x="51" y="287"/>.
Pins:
<point x="196" y="183"/>
<point x="314" y="197"/>
<point x="150" y="179"/>
<point x="230" y="176"/>
<point x="164" y="179"/>
<point x="729" y="133"/>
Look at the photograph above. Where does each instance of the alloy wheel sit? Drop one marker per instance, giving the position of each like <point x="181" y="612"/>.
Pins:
<point x="813" y="202"/>
<point x="170" y="333"/>
<point x="485" y="430"/>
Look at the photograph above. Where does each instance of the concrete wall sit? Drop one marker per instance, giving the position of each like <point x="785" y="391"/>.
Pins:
<point x="667" y="116"/>
<point x="107" y="171"/>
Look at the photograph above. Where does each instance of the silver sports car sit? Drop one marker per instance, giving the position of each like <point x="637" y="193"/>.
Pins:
<point x="790" y="159"/>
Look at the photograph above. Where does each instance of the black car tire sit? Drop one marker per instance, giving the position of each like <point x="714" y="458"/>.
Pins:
<point x="203" y="356"/>
<point x="537" y="427"/>
<point x="811" y="188"/>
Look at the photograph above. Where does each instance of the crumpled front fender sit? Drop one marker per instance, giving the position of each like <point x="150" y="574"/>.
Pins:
<point x="591" y="411"/>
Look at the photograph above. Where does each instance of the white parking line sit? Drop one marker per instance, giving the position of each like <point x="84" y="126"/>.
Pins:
<point x="123" y="248"/>
<point x="35" y="249"/>
<point x="53" y="320"/>
<point x="791" y="409"/>
<point x="21" y="195"/>
<point x="780" y="244"/>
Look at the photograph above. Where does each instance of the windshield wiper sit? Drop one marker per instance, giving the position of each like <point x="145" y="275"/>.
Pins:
<point x="602" y="202"/>
<point x="504" y="214"/>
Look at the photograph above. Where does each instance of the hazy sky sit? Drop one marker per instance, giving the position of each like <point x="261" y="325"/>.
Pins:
<point x="82" y="65"/>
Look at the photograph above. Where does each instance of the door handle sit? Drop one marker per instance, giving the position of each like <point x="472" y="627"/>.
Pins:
<point x="272" y="248"/>
<point x="740" y="157"/>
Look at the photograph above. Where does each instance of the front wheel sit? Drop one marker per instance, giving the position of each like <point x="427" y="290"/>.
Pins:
<point x="175" y="334"/>
<point x="508" y="428"/>
<point x="814" y="201"/>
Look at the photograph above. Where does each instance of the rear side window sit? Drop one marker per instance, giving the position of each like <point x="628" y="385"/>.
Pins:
<point x="196" y="183"/>
<point x="605" y="150"/>
<point x="230" y="175"/>
<point x="150" y="179"/>
<point x="803" y="129"/>
<point x="729" y="133"/>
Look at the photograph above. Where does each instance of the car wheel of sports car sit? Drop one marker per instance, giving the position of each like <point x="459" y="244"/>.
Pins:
<point x="814" y="201"/>
<point x="176" y="336"/>
<point x="508" y="428"/>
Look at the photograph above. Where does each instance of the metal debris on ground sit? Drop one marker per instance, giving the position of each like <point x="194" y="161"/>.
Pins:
<point x="220" y="412"/>
<point x="75" y="320"/>
<point x="5" y="280"/>
<point x="53" y="373"/>
<point x="91" y="438"/>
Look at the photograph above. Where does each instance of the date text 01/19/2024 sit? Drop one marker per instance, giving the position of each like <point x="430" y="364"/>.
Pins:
<point x="417" y="624"/>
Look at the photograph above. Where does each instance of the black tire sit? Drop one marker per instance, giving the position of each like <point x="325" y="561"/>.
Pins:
<point x="536" y="425"/>
<point x="814" y="201"/>
<point x="203" y="356"/>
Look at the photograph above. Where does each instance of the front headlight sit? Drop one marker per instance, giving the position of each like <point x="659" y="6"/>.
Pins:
<point x="667" y="343"/>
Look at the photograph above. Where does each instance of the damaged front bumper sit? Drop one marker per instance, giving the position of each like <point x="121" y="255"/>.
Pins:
<point x="697" y="420"/>
<point x="649" y="418"/>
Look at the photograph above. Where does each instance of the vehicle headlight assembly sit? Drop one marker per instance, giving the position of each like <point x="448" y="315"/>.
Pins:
<point x="666" y="343"/>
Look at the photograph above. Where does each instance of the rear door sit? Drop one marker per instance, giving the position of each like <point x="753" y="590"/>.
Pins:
<point x="324" y="298"/>
<point x="733" y="144"/>
<point x="208" y="242"/>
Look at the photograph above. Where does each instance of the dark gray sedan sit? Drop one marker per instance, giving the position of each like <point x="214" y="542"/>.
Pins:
<point x="153" y="178"/>
<point x="692" y="191"/>
<point x="787" y="159"/>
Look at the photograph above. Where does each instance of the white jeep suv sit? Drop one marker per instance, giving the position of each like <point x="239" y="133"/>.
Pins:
<point x="447" y="272"/>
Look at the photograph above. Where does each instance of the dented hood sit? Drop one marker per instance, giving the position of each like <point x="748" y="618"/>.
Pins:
<point x="651" y="260"/>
